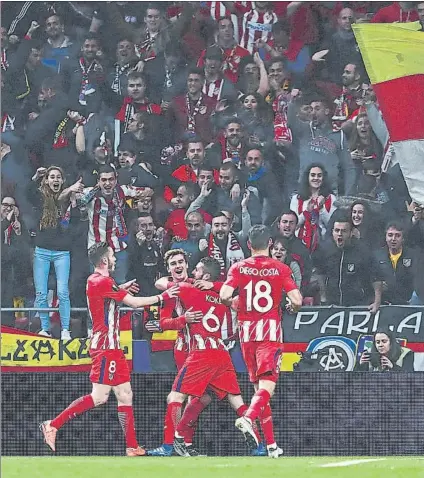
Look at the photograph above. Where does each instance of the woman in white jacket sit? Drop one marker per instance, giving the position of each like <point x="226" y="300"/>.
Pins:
<point x="314" y="205"/>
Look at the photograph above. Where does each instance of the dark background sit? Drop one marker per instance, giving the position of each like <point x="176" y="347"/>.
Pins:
<point x="314" y="414"/>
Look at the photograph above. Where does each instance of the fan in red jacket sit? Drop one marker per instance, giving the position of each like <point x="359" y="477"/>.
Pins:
<point x="191" y="112"/>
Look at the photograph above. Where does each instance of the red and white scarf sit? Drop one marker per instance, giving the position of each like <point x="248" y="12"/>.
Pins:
<point x="228" y="152"/>
<point x="342" y="111"/>
<point x="231" y="61"/>
<point x="279" y="104"/>
<point x="234" y="253"/>
<point x="309" y="232"/>
<point x="145" y="50"/>
<point x="8" y="235"/>
<point x="85" y="80"/>
<point x="213" y="89"/>
<point x="7" y="123"/>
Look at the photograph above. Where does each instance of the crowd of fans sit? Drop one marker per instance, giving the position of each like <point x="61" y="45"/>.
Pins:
<point x="181" y="124"/>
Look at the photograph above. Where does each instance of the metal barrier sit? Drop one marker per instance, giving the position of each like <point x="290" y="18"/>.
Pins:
<point x="136" y="325"/>
<point x="32" y="310"/>
<point x="56" y="309"/>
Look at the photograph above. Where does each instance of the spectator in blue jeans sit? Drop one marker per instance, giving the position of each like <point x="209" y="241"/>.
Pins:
<point x="52" y="209"/>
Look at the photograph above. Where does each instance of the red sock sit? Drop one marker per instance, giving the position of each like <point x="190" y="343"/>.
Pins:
<point x="267" y="425"/>
<point x="77" y="407"/>
<point x="259" y="400"/>
<point x="189" y="419"/>
<point x="126" y="419"/>
<point x="242" y="411"/>
<point x="172" y="418"/>
<point x="190" y="429"/>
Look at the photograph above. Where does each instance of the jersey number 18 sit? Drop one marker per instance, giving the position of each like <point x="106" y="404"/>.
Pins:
<point x="262" y="290"/>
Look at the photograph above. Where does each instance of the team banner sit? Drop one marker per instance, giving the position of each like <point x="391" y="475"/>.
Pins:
<point x="336" y="337"/>
<point x="22" y="351"/>
<point x="322" y="338"/>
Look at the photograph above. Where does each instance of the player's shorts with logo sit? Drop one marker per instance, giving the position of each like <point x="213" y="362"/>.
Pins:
<point x="262" y="359"/>
<point x="205" y="369"/>
<point x="109" y="367"/>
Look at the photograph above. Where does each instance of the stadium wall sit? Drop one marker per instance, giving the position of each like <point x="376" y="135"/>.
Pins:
<point x="315" y="414"/>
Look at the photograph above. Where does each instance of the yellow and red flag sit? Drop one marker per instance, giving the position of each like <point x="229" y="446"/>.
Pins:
<point x="393" y="54"/>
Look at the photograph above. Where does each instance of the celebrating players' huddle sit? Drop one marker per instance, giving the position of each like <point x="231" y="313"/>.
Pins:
<point x="206" y="314"/>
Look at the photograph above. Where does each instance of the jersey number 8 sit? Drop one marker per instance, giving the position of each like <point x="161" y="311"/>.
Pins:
<point x="262" y="291"/>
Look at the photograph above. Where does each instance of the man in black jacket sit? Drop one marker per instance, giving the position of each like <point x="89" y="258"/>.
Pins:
<point x="145" y="255"/>
<point x="286" y="226"/>
<point x="133" y="173"/>
<point x="265" y="183"/>
<point x="82" y="77"/>
<point x="47" y="134"/>
<point x="348" y="270"/>
<point x="396" y="263"/>
<point x="26" y="73"/>
<point x="166" y="75"/>
<point x="15" y="252"/>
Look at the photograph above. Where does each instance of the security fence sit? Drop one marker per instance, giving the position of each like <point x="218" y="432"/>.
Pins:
<point x="314" y="414"/>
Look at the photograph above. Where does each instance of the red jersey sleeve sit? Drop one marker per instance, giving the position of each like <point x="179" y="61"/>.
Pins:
<point x="166" y="321"/>
<point x="110" y="289"/>
<point x="233" y="276"/>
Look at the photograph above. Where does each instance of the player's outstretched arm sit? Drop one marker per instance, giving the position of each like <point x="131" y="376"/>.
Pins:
<point x="138" y="302"/>
<point x="131" y="286"/>
<point x="162" y="283"/>
<point x="296" y="299"/>
<point x="226" y="294"/>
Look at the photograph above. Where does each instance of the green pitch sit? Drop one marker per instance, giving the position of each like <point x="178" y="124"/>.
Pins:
<point x="175" y="467"/>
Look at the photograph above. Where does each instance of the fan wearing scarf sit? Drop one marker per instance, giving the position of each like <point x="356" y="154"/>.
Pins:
<point x="126" y="60"/>
<point x="52" y="241"/>
<point x="125" y="105"/>
<point x="105" y="205"/>
<point x="82" y="77"/>
<point x="14" y="256"/>
<point x="225" y="245"/>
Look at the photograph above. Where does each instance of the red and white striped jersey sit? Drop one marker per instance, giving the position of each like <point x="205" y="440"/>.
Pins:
<point x="218" y="323"/>
<point x="261" y="282"/>
<point x="218" y="10"/>
<point x="256" y="26"/>
<point x="213" y="89"/>
<point x="102" y="296"/>
<point x="171" y="310"/>
<point x="230" y="65"/>
<point x="264" y="329"/>
<point x="106" y="220"/>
